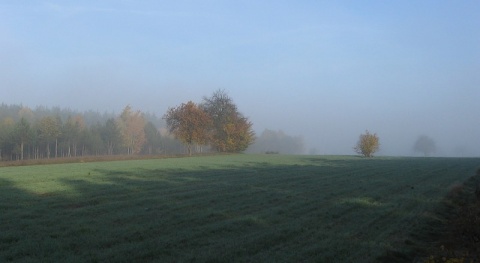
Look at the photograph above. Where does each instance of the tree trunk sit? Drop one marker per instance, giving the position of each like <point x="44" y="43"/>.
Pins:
<point x="56" y="147"/>
<point x="21" y="150"/>
<point x="109" y="148"/>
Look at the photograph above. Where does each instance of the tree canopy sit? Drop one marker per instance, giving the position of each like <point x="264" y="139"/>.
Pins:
<point x="30" y="134"/>
<point x="190" y="124"/>
<point x="132" y="126"/>
<point x="231" y="131"/>
<point x="22" y="133"/>
<point x="367" y="144"/>
<point x="425" y="145"/>
<point x="54" y="132"/>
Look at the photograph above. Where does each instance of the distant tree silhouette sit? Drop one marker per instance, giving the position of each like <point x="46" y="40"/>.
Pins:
<point x="425" y="145"/>
<point x="277" y="141"/>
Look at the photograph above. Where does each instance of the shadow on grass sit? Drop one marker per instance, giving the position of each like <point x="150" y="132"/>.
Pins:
<point x="455" y="231"/>
<point x="250" y="212"/>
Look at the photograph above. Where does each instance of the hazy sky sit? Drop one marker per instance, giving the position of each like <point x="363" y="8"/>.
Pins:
<point x="326" y="70"/>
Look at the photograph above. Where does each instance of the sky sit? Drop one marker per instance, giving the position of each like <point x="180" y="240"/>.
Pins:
<point x="324" y="70"/>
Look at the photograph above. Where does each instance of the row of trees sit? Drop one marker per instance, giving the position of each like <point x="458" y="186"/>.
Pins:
<point x="271" y="141"/>
<point x="216" y="122"/>
<point x="33" y="137"/>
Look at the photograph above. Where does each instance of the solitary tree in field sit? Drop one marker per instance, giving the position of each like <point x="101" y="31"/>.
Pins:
<point x="425" y="145"/>
<point x="367" y="144"/>
<point x="190" y="124"/>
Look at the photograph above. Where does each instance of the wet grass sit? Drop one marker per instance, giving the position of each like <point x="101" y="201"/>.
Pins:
<point x="233" y="208"/>
<point x="458" y="230"/>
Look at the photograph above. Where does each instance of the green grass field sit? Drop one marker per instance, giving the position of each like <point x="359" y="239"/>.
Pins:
<point x="231" y="208"/>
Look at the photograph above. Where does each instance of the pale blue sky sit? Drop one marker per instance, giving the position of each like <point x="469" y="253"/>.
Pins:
<point x="326" y="70"/>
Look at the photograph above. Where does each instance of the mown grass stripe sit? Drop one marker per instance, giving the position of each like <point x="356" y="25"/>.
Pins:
<point x="221" y="208"/>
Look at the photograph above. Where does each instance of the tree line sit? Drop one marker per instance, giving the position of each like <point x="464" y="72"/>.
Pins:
<point x="277" y="142"/>
<point x="45" y="133"/>
<point x="52" y="133"/>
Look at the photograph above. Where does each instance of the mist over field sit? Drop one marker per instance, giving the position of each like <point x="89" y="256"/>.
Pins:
<point x="321" y="72"/>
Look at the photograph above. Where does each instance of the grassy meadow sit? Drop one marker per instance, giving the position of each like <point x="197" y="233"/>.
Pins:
<point x="230" y="208"/>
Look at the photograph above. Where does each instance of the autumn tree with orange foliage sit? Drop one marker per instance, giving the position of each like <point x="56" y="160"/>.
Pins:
<point x="190" y="124"/>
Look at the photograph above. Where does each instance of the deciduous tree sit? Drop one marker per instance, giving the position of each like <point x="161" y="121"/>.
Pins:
<point x="232" y="132"/>
<point x="111" y="135"/>
<point x="237" y="135"/>
<point x="49" y="131"/>
<point x="425" y="145"/>
<point x="92" y="141"/>
<point x="6" y="133"/>
<point x="26" y="113"/>
<point x="72" y="130"/>
<point x="153" y="138"/>
<point x="367" y="144"/>
<point x="189" y="123"/>
<point x="132" y="128"/>
<point x="22" y="134"/>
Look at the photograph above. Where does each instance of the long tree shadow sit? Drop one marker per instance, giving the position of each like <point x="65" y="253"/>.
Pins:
<point x="249" y="212"/>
